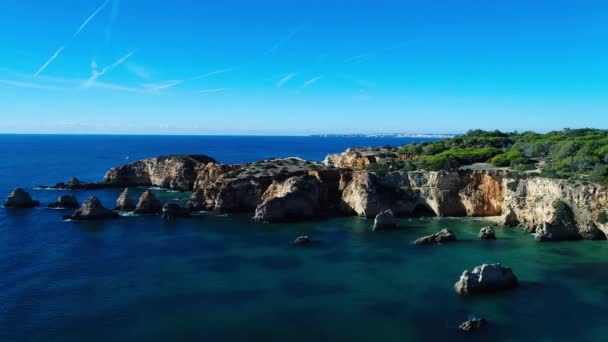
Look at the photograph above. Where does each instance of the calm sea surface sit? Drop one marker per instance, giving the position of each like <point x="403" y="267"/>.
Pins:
<point x="224" y="278"/>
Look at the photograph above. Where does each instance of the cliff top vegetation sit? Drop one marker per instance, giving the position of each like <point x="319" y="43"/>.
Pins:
<point x="577" y="154"/>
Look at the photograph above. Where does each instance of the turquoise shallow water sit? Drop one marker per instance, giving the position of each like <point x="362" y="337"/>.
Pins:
<point x="225" y="278"/>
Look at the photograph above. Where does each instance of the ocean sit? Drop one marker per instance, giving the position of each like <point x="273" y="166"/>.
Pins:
<point x="225" y="278"/>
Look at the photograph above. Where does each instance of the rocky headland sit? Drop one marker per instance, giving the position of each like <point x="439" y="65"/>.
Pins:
<point x="343" y="184"/>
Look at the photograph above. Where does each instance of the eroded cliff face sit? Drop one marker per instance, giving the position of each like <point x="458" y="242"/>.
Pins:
<point x="368" y="194"/>
<point x="291" y="188"/>
<point x="171" y="172"/>
<point x="295" y="198"/>
<point x="226" y="194"/>
<point x="426" y="193"/>
<point x="484" y="192"/>
<point x="533" y="203"/>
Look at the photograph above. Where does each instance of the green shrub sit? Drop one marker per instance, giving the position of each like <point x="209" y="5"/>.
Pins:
<point x="511" y="158"/>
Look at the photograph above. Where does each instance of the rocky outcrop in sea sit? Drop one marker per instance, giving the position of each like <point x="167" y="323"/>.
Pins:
<point x="92" y="209"/>
<point x="443" y="236"/>
<point x="384" y="221"/>
<point x="487" y="233"/>
<point x="20" y="198"/>
<point x="65" y="202"/>
<point x="148" y="204"/>
<point x="171" y="211"/>
<point x="125" y="202"/>
<point x="472" y="325"/>
<point x="485" y="278"/>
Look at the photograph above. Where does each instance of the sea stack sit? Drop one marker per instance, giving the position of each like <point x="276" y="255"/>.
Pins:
<point x="485" y="278"/>
<point x="148" y="204"/>
<point x="445" y="235"/>
<point x="20" y="198"/>
<point x="65" y="202"/>
<point x="92" y="209"/>
<point x="125" y="202"/>
<point x="384" y="221"/>
<point x="487" y="233"/>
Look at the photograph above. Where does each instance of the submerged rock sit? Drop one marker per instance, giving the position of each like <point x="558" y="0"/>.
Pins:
<point x="485" y="278"/>
<point x="125" y="202"/>
<point x="385" y="220"/>
<point x="472" y="325"/>
<point x="92" y="209"/>
<point x="148" y="204"/>
<point x="20" y="198"/>
<point x="174" y="210"/>
<point x="487" y="233"/>
<point x="302" y="240"/>
<point x="445" y="235"/>
<point x="65" y="202"/>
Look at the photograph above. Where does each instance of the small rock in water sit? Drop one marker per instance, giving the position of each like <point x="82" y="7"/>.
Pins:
<point x="302" y="240"/>
<point x="485" y="278"/>
<point x="65" y="202"/>
<point x="148" y="204"/>
<point x="92" y="209"/>
<point x="385" y="220"/>
<point x="445" y="235"/>
<point x="487" y="233"/>
<point x="173" y="210"/>
<point x="472" y="325"/>
<point x="20" y="198"/>
<point x="125" y="202"/>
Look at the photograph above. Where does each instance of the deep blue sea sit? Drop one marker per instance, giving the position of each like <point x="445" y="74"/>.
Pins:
<point x="224" y="278"/>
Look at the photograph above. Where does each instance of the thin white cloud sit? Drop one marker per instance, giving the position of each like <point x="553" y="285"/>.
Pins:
<point x="56" y="83"/>
<point x="29" y="85"/>
<point x="215" y="72"/>
<point x="47" y="63"/>
<point x="283" y="41"/>
<point x="285" y="79"/>
<point x="139" y="71"/>
<point x="82" y="27"/>
<point x="311" y="81"/>
<point x="113" y="15"/>
<point x="91" y="17"/>
<point x="112" y="86"/>
<point x="96" y="74"/>
<point x="153" y="87"/>
<point x="216" y="90"/>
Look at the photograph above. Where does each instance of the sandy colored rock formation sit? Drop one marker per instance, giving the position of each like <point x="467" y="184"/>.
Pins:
<point x="178" y="172"/>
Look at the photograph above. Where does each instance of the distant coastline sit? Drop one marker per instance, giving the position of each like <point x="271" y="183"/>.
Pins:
<point x="386" y="135"/>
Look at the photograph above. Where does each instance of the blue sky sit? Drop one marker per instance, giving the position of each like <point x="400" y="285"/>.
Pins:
<point x="300" y="67"/>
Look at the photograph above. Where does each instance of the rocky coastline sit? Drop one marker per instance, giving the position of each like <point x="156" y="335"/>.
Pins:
<point x="292" y="189"/>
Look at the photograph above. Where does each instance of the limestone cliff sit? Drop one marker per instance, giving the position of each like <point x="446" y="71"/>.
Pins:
<point x="295" y="198"/>
<point x="289" y="188"/>
<point x="178" y="172"/>
<point x="533" y="203"/>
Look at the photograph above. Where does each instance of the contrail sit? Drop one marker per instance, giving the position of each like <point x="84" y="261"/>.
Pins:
<point x="82" y="26"/>
<point x="49" y="61"/>
<point x="86" y="22"/>
<point x="103" y="71"/>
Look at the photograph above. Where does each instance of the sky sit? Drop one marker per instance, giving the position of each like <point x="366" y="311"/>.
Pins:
<point x="302" y="67"/>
